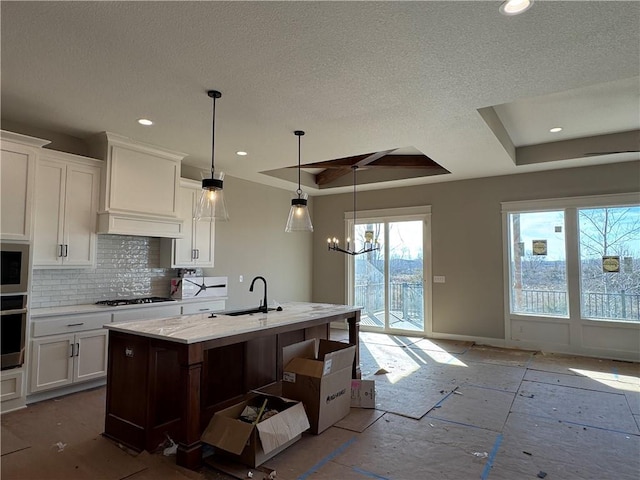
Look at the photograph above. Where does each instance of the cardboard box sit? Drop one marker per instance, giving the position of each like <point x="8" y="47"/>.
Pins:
<point x="198" y="287"/>
<point x="253" y="444"/>
<point x="363" y="393"/>
<point x="319" y="375"/>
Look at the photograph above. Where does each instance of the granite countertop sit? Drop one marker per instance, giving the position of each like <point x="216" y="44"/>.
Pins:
<point x="93" y="308"/>
<point x="200" y="327"/>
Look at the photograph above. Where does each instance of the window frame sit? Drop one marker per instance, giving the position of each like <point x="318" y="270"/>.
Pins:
<point x="385" y="216"/>
<point x="575" y="323"/>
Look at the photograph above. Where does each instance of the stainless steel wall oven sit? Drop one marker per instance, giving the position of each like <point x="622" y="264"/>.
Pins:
<point x="14" y="267"/>
<point x="13" y="327"/>
<point x="14" y="286"/>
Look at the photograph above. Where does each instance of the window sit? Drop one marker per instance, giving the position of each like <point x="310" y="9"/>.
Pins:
<point x="609" y="260"/>
<point x="538" y="263"/>
<point x="574" y="258"/>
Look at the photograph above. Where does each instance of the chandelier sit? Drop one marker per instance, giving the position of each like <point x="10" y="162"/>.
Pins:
<point x="370" y="245"/>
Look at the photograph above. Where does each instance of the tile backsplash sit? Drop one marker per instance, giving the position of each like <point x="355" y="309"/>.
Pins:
<point x="127" y="266"/>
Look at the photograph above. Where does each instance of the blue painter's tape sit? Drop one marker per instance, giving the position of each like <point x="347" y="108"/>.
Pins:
<point x="368" y="474"/>
<point x="492" y="456"/>
<point x="327" y="459"/>
<point x="615" y="373"/>
<point x="439" y="404"/>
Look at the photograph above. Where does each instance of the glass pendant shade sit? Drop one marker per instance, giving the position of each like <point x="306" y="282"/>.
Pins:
<point x="299" y="219"/>
<point x="211" y="206"/>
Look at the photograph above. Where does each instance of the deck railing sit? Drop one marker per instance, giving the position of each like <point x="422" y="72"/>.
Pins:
<point x="611" y="306"/>
<point x="408" y="298"/>
<point x="404" y="297"/>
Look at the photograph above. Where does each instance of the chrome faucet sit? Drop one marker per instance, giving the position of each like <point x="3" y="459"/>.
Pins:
<point x="263" y="304"/>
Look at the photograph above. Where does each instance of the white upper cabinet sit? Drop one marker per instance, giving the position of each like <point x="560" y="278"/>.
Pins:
<point x="17" y="173"/>
<point x="66" y="203"/>
<point x="139" y="192"/>
<point x="196" y="248"/>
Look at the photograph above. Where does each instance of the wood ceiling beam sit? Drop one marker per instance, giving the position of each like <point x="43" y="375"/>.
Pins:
<point x="335" y="171"/>
<point x="330" y="174"/>
<point x="404" y="161"/>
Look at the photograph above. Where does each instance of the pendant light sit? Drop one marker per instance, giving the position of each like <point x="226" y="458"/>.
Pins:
<point x="370" y="245"/>
<point x="211" y="205"/>
<point x="299" y="219"/>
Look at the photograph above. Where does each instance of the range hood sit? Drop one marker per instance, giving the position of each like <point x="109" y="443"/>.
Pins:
<point x="139" y="189"/>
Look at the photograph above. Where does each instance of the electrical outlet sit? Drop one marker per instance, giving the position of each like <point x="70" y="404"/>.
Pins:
<point x="438" y="279"/>
<point x="241" y="279"/>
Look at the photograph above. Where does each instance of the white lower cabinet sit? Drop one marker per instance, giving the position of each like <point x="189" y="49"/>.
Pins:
<point x="59" y="360"/>
<point x="65" y="358"/>
<point x="11" y="385"/>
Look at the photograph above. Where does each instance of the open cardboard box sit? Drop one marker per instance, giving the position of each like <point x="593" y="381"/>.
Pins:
<point x="318" y="373"/>
<point x="254" y="444"/>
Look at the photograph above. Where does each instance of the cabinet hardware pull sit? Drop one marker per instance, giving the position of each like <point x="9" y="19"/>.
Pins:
<point x="66" y="250"/>
<point x="72" y="347"/>
<point x="204" y="309"/>
<point x="193" y="254"/>
<point x="78" y="349"/>
<point x="197" y="253"/>
<point x="60" y="252"/>
<point x="75" y="324"/>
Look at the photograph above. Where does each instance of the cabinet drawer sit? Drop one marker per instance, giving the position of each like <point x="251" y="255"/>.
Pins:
<point x="70" y="324"/>
<point x="203" y="307"/>
<point x="11" y="385"/>
<point x="146" y="313"/>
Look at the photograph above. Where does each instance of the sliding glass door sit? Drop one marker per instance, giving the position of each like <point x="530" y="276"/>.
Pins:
<point x="389" y="283"/>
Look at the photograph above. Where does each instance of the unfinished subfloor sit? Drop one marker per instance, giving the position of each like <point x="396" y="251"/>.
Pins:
<point x="445" y="409"/>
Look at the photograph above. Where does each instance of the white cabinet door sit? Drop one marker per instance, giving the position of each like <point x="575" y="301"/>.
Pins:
<point x="11" y="384"/>
<point x="66" y="207"/>
<point x="203" y="240"/>
<point x="90" y="355"/>
<point x="183" y="251"/>
<point x="81" y="204"/>
<point x="59" y="360"/>
<point x="197" y="247"/>
<point x="17" y="172"/>
<point x="51" y="362"/>
<point x="48" y="246"/>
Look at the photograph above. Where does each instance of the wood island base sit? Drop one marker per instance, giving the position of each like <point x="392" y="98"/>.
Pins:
<point x="159" y="389"/>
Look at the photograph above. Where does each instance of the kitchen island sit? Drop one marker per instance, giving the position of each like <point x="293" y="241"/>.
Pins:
<point x="167" y="377"/>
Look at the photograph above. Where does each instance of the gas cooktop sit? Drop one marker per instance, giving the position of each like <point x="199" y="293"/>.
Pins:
<point x="133" y="301"/>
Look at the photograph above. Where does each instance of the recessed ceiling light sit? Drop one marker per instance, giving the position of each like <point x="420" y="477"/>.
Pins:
<point x="144" y="121"/>
<point x="241" y="153"/>
<point x="555" y="129"/>
<point x="515" y="7"/>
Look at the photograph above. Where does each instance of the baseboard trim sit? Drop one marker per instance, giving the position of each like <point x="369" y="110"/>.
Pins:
<point x="59" y="392"/>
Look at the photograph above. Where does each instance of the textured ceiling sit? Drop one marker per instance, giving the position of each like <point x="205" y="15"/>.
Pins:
<point x="358" y="77"/>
